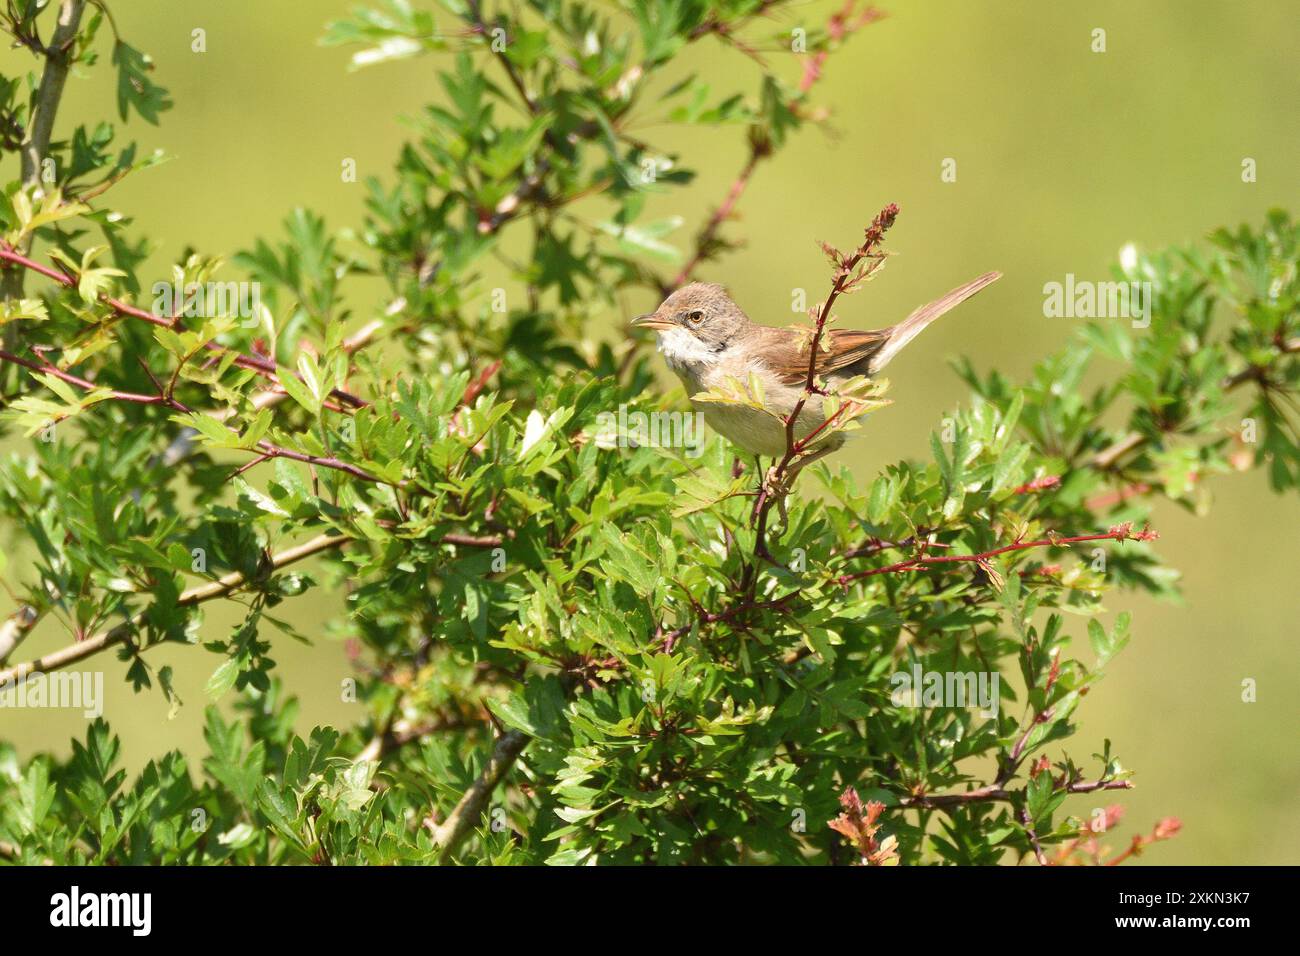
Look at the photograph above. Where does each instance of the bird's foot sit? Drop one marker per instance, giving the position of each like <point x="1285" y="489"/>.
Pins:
<point x="777" y="485"/>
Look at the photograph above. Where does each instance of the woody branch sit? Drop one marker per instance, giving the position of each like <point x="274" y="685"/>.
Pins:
<point x="45" y="107"/>
<point x="223" y="586"/>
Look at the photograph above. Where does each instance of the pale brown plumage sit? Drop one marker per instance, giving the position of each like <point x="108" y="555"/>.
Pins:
<point x="844" y="349"/>
<point x="707" y="339"/>
<point x="857" y="351"/>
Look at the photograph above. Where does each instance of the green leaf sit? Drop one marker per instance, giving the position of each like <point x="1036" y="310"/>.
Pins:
<point x="222" y="679"/>
<point x="300" y="393"/>
<point x="213" y="432"/>
<point x="281" y="814"/>
<point x="1040" y="801"/>
<point x="135" y="89"/>
<point x="1104" y="645"/>
<point x="646" y="239"/>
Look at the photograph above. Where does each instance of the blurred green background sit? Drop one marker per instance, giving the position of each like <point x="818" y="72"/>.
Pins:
<point x="1063" y="155"/>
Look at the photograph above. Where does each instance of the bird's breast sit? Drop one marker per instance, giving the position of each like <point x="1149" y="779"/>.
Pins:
<point x="701" y="369"/>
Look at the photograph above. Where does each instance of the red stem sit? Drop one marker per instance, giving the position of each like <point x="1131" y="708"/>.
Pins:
<point x="997" y="792"/>
<point x="757" y="152"/>
<point x="264" y="367"/>
<point x="843" y="278"/>
<point x="268" y="449"/>
<point x="1121" y="532"/>
<point x="760" y="148"/>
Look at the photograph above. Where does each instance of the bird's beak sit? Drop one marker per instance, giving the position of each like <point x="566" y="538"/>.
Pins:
<point x="651" y="320"/>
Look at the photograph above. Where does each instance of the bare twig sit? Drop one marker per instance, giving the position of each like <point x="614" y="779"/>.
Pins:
<point x="995" y="793"/>
<point x="759" y="149"/>
<point x="469" y="810"/>
<point x="45" y="106"/>
<point x="120" y="634"/>
<point x="16" y="627"/>
<point x="472" y="541"/>
<point x="841" y="24"/>
<point x="1028" y="823"/>
<point x="397" y="733"/>
<point x="847" y="276"/>
<point x="183" y="445"/>
<point x="1123" y="532"/>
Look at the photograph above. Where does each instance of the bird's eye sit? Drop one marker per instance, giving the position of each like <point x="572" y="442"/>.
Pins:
<point x="694" y="318"/>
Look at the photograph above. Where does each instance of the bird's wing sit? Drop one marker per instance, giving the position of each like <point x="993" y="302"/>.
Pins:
<point x="786" y="351"/>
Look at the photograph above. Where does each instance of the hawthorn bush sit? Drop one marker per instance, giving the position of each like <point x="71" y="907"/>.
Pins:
<point x="564" y="652"/>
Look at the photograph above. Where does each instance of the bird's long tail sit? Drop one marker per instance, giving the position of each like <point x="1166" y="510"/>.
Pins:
<point x="910" y="327"/>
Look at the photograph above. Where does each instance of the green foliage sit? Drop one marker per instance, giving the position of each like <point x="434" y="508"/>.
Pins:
<point x="682" y="700"/>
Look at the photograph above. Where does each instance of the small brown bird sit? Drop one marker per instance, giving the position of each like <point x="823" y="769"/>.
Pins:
<point x="707" y="339"/>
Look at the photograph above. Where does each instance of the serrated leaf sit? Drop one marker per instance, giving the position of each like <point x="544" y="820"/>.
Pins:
<point x="222" y="679"/>
<point x="296" y="390"/>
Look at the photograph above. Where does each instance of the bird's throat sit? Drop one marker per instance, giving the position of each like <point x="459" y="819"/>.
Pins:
<point x="686" y="355"/>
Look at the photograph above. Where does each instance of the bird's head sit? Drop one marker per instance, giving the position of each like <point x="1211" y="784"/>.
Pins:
<point x="702" y="310"/>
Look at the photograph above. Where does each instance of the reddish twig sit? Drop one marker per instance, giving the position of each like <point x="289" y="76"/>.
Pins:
<point x="475" y="388"/>
<point x="1166" y="829"/>
<point x="82" y="383"/>
<point x="265" y="448"/>
<point x="846" y="279"/>
<point x="840" y="25"/>
<point x="264" y="367"/>
<point x="876" y="545"/>
<point x="759" y="149"/>
<point x="1123" y="532"/>
<point x="1018" y="749"/>
<point x="1038" y="484"/>
<point x="1111" y="498"/>
<point x="997" y="792"/>
<point x="669" y="638"/>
